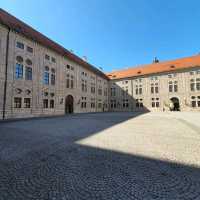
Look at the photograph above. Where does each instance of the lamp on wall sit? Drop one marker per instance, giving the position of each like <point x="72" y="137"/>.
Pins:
<point x="79" y="101"/>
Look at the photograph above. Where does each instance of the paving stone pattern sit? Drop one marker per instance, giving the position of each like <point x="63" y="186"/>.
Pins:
<point x="101" y="156"/>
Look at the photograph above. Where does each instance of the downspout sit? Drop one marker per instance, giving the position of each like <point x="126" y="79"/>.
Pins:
<point x="6" y="74"/>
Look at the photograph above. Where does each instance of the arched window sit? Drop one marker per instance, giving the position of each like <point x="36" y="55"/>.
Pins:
<point x="19" y="59"/>
<point x="28" y="62"/>
<point x="19" y="68"/>
<point x="46" y="75"/>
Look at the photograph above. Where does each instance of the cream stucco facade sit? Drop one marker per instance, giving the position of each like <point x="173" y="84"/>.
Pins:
<point x="36" y="90"/>
<point x="160" y="99"/>
<point x="35" y="81"/>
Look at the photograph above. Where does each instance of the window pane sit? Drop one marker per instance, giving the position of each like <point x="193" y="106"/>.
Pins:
<point x="27" y="102"/>
<point x="28" y="73"/>
<point x="18" y="71"/>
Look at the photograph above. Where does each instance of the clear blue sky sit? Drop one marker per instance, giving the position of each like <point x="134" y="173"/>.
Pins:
<point x="113" y="33"/>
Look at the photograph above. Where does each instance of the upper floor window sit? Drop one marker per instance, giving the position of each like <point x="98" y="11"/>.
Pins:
<point x="29" y="49"/>
<point x="70" y="81"/>
<point x="195" y="84"/>
<point x="47" y="57"/>
<point x="100" y="91"/>
<point x="19" y="71"/>
<point x="105" y="92"/>
<point x="53" y="76"/>
<point x="113" y="92"/>
<point x="28" y="73"/>
<point x="173" y="86"/>
<point x="138" y="89"/>
<point x="171" y="75"/>
<point x="154" y="88"/>
<point x="93" y="88"/>
<point x="20" y="45"/>
<point x="46" y="76"/>
<point x="53" y="60"/>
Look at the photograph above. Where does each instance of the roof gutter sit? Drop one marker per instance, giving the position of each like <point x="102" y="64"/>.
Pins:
<point x="6" y="74"/>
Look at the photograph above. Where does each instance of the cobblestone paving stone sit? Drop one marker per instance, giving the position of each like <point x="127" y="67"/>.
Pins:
<point x="74" y="158"/>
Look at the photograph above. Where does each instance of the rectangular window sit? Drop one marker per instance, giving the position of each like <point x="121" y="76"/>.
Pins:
<point x="99" y="91"/>
<point x="46" y="78"/>
<point x="28" y="73"/>
<point x="18" y="71"/>
<point x="29" y="49"/>
<point x="45" y="103"/>
<point x="20" y="45"/>
<point x="17" y="102"/>
<point x="72" y="83"/>
<point x="27" y="102"/>
<point x="170" y="88"/>
<point x="67" y="83"/>
<point x="192" y="86"/>
<point x="193" y="104"/>
<point x="198" y="85"/>
<point x="53" y="59"/>
<point x="47" y="57"/>
<point x="152" y="90"/>
<point x="140" y="90"/>
<point x="53" y="79"/>
<point x="156" y="90"/>
<point x="51" y="103"/>
<point x="175" y="88"/>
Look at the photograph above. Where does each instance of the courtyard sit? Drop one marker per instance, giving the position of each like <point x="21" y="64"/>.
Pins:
<point x="142" y="156"/>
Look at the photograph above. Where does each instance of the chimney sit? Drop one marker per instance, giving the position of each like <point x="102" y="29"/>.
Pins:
<point x="85" y="58"/>
<point x="155" y="60"/>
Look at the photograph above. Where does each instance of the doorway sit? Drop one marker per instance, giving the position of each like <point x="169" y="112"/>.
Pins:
<point x="69" y="104"/>
<point x="176" y="104"/>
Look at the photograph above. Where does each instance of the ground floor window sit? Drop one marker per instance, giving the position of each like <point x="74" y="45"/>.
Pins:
<point x="51" y="103"/>
<point x="125" y="103"/>
<point x="83" y="103"/>
<point x="45" y="103"/>
<point x="139" y="103"/>
<point x="113" y="104"/>
<point x="99" y="105"/>
<point x="17" y="102"/>
<point x="92" y="105"/>
<point x="195" y="101"/>
<point x="27" y="102"/>
<point x="155" y="103"/>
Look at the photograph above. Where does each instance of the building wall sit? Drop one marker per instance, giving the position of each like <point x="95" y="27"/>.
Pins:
<point x="184" y="93"/>
<point x="125" y="97"/>
<point x="3" y="38"/>
<point x="36" y="90"/>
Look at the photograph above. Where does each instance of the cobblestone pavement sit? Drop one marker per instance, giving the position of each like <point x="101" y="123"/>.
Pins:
<point x="101" y="156"/>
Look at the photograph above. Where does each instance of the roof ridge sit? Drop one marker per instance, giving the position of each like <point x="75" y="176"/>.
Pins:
<point x="12" y="22"/>
<point x="150" y="64"/>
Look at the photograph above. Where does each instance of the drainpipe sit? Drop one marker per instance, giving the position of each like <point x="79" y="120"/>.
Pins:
<point x="6" y="73"/>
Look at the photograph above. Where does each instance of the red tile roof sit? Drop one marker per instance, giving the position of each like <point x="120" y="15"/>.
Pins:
<point x="167" y="66"/>
<point x="20" y="27"/>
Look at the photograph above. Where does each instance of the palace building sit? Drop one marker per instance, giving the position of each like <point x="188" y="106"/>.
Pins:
<point x="38" y="77"/>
